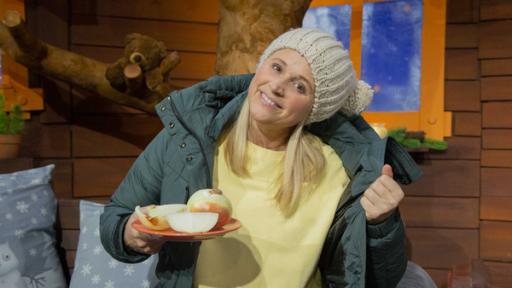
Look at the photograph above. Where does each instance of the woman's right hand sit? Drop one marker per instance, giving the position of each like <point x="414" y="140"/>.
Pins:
<point x="138" y="241"/>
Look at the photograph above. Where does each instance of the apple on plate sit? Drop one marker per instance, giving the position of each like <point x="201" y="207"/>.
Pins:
<point x="211" y="200"/>
<point x="156" y="215"/>
<point x="192" y="222"/>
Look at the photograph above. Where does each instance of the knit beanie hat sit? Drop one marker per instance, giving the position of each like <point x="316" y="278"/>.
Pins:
<point x="336" y="86"/>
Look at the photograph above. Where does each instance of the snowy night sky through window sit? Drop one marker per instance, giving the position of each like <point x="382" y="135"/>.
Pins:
<point x="391" y="54"/>
<point x="334" y="20"/>
<point x="391" y="48"/>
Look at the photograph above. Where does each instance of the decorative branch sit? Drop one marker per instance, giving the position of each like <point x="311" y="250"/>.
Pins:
<point x="145" y="88"/>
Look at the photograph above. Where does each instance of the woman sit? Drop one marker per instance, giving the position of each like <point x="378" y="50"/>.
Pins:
<point x="318" y="206"/>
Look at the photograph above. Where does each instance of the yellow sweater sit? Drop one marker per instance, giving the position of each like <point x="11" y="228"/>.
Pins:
<point x="269" y="250"/>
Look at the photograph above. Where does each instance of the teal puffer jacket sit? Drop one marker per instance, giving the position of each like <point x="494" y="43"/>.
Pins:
<point x="179" y="160"/>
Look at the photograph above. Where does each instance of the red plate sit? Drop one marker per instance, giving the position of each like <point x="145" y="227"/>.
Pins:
<point x="171" y="235"/>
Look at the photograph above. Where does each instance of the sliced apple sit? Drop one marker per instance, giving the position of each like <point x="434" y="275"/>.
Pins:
<point x="156" y="215"/>
<point x="192" y="222"/>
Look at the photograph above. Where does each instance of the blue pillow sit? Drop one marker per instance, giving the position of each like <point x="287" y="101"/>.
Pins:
<point x="28" y="257"/>
<point x="95" y="267"/>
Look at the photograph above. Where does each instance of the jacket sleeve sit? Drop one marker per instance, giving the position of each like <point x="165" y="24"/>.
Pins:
<point x="141" y="186"/>
<point x="386" y="259"/>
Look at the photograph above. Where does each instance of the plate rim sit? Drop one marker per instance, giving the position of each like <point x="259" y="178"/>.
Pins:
<point x="232" y="225"/>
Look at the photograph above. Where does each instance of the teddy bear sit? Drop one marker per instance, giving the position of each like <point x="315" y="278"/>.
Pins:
<point x="144" y="68"/>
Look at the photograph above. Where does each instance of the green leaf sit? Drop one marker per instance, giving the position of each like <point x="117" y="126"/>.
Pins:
<point x="411" y="143"/>
<point x="435" y="144"/>
<point x="10" y="123"/>
<point x="16" y="120"/>
<point x="398" y="134"/>
<point x="4" y="120"/>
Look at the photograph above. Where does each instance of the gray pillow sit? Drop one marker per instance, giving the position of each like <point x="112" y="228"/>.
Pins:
<point x="94" y="267"/>
<point x="416" y="277"/>
<point x="28" y="257"/>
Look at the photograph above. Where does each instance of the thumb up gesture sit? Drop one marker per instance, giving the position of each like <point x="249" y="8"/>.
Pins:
<point x="381" y="199"/>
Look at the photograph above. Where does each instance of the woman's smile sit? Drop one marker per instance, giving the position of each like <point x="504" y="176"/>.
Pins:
<point x="266" y="101"/>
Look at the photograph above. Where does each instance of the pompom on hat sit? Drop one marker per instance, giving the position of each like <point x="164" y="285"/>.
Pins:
<point x="336" y="85"/>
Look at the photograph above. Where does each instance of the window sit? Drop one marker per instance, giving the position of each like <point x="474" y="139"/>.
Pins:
<point x="396" y="46"/>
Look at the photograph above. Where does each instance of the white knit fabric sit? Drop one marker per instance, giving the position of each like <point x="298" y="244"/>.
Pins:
<point x="336" y="86"/>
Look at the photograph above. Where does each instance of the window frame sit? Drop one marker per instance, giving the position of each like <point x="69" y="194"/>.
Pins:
<point x="431" y="117"/>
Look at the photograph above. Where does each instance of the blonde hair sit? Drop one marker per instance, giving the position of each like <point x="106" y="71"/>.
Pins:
<point x="303" y="162"/>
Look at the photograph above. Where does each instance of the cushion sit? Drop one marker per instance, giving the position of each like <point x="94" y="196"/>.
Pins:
<point x="28" y="257"/>
<point x="94" y="267"/>
<point x="416" y="277"/>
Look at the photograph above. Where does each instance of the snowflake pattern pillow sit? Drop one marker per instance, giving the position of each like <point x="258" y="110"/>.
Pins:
<point x="94" y="267"/>
<point x="28" y="258"/>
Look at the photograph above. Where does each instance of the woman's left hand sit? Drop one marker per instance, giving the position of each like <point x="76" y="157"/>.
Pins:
<point x="381" y="199"/>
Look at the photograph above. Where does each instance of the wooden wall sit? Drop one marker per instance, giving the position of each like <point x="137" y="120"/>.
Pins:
<point x="93" y="142"/>
<point x="495" y="55"/>
<point x="457" y="212"/>
<point x="460" y="209"/>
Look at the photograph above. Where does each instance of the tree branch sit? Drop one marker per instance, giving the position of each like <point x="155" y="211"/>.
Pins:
<point x="87" y="73"/>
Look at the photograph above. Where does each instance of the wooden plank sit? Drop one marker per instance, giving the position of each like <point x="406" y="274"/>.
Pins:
<point x="48" y="21"/>
<point x="440" y="212"/>
<point x="497" y="138"/>
<point x="70" y="239"/>
<point x="496" y="208"/>
<point x="192" y="10"/>
<point x="193" y="65"/>
<point x="461" y="36"/>
<point x="462" y="95"/>
<point x="180" y="84"/>
<point x="57" y="98"/>
<point x="461" y="64"/>
<point x="442" y="248"/>
<point x="440" y="276"/>
<point x="103" y="31"/>
<point x="16" y="71"/>
<point x="70" y="259"/>
<point x="495" y="9"/>
<point x="467" y="124"/>
<point x="85" y="102"/>
<point x="497" y="115"/>
<point x="496" y="88"/>
<point x="447" y="178"/>
<point x="497" y="158"/>
<point x="15" y="92"/>
<point x="496" y="67"/>
<point x="461" y="11"/>
<point x="495" y="182"/>
<point x="459" y="148"/>
<point x="499" y="273"/>
<point x="496" y="240"/>
<point x="109" y="136"/>
<point x="45" y="141"/>
<point x="472" y="274"/>
<point x="99" y="177"/>
<point x="61" y="176"/>
<point x="68" y="214"/>
<point x="494" y="39"/>
<point x="15" y="164"/>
